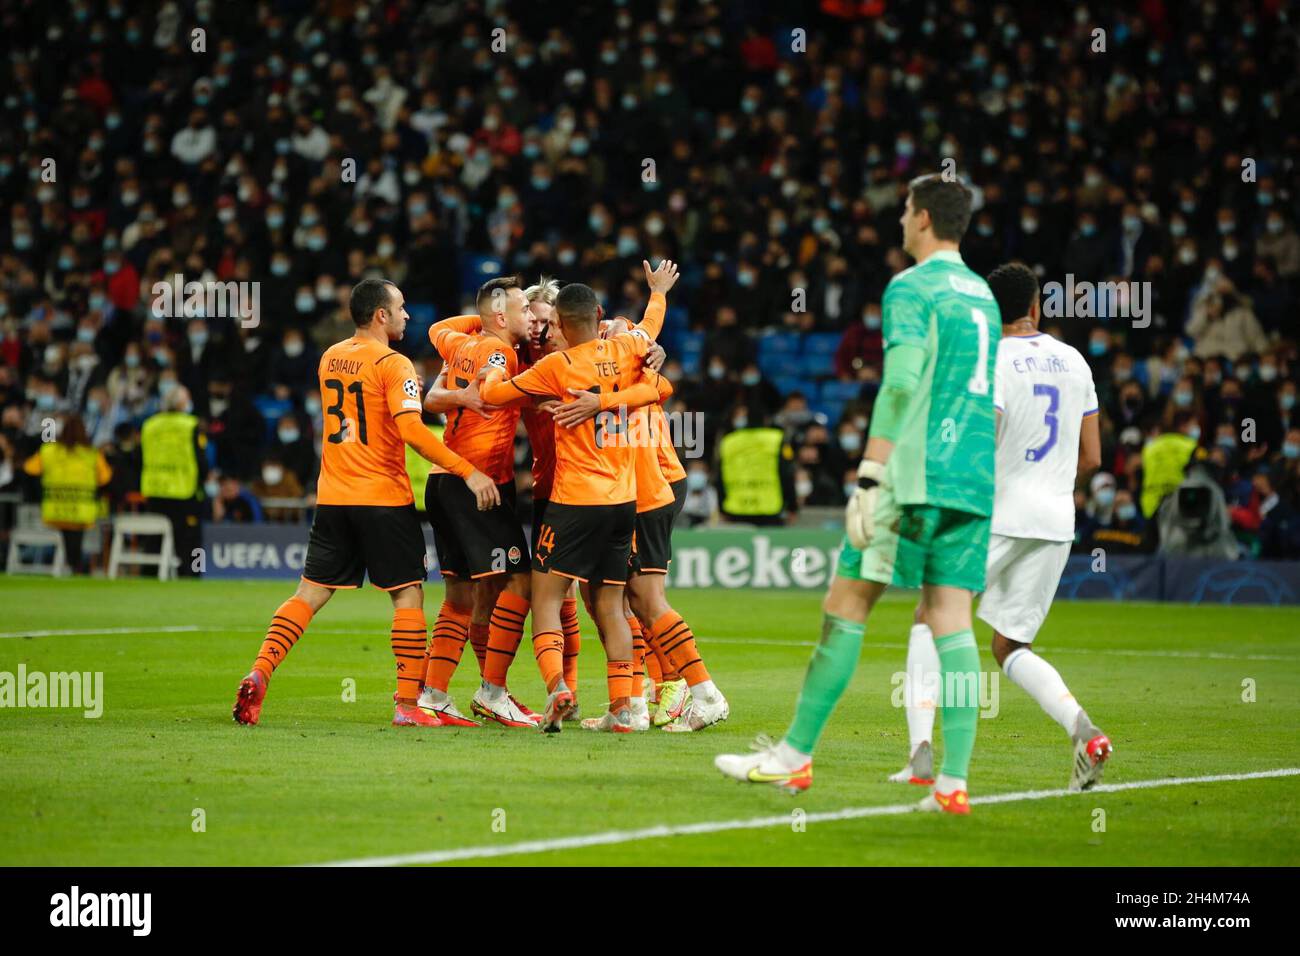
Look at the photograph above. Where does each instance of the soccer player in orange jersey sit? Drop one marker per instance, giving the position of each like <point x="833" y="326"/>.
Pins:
<point x="587" y="531"/>
<point x="540" y="423"/>
<point x="366" y="523"/>
<point x="483" y="554"/>
<point x="660" y="491"/>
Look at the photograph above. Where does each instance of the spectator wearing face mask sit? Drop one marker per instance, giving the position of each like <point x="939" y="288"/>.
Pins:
<point x="700" y="507"/>
<point x="1223" y="322"/>
<point x="1280" y="243"/>
<point x="1101" y="498"/>
<point x="1121" y="530"/>
<point x="294" y="450"/>
<point x="757" y="393"/>
<point x="1165" y="458"/>
<point x="1184" y="397"/>
<point x="234" y="427"/>
<point x="861" y="348"/>
<point x="1279" y="521"/>
<point x="293" y="363"/>
<point x="277" y="481"/>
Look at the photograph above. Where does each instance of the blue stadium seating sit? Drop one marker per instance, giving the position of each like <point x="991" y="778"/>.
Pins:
<point x="837" y="391"/>
<point x="785" y="384"/>
<point x="821" y="343"/>
<point x="475" y="269"/>
<point x="690" y="351"/>
<point x="271" y="408"/>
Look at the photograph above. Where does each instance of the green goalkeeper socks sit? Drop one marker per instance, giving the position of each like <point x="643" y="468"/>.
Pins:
<point x="829" y="672"/>
<point x="959" y="662"/>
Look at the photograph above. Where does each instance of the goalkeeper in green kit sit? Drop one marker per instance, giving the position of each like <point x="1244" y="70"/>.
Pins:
<point x="920" y="515"/>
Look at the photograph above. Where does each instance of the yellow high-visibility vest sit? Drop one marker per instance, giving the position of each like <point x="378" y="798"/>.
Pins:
<point x="417" y="468"/>
<point x="68" y="483"/>
<point x="751" y="471"/>
<point x="171" y="467"/>
<point x="1164" y="463"/>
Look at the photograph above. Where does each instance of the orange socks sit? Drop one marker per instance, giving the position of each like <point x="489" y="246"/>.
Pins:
<point x="654" y="673"/>
<point x="638" y="657"/>
<point x="548" y="648"/>
<point x="287" y="625"/>
<point x="618" y="674"/>
<point x="448" y="644"/>
<point x="504" y="634"/>
<point x="478" y="639"/>
<point x="667" y="671"/>
<point x="674" y="637"/>
<point x="572" y="641"/>
<point x="409" y="638"/>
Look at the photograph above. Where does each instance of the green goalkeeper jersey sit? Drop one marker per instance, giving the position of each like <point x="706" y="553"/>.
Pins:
<point x="944" y="452"/>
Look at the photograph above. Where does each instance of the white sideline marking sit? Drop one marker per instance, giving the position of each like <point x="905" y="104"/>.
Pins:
<point x="77" y="632"/>
<point x="758" y="823"/>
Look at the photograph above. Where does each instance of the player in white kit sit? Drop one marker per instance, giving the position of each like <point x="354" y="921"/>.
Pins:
<point x="1047" y="438"/>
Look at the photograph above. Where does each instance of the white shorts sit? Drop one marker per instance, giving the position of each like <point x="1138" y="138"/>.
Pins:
<point x="1023" y="574"/>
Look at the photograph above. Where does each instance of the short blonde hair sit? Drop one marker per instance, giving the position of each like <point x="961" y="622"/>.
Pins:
<point x="546" y="290"/>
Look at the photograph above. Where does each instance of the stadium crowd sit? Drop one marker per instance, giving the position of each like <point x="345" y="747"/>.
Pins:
<point x="765" y="146"/>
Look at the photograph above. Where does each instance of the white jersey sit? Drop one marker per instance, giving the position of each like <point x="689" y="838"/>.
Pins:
<point x="1044" y="390"/>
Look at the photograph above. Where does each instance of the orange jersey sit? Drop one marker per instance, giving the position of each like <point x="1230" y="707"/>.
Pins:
<point x="594" y="462"/>
<point x="652" y="488"/>
<point x="541" y="436"/>
<point x="669" y="463"/>
<point x="364" y="386"/>
<point x="486" y="443"/>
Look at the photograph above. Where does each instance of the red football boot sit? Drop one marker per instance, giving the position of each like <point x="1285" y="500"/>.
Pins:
<point x="248" y="702"/>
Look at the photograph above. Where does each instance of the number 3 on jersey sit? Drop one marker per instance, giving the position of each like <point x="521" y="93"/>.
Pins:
<point x="346" y="431"/>
<point x="1049" y="419"/>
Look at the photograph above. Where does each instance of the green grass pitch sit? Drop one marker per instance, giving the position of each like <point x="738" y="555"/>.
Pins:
<point x="324" y="780"/>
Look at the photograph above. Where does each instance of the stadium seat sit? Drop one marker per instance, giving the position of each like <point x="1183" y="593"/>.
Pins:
<point x="785" y="384"/>
<point x="690" y="352"/>
<point x="271" y="408"/>
<point x="475" y="269"/>
<point x="839" y="391"/>
<point x="816" y="365"/>
<point x="833" y="411"/>
<point x="821" y="343"/>
<point x="780" y="343"/>
<point x="152" y="525"/>
<point x="34" y="542"/>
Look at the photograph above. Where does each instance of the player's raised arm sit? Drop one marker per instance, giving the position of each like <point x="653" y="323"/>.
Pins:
<point x="447" y="334"/>
<point x="660" y="281"/>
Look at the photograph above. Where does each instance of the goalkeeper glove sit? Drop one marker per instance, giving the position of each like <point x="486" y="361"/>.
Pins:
<point x="860" y="516"/>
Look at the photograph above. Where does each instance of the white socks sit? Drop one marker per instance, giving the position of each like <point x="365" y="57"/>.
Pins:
<point x="705" y="690"/>
<point x="790" y="758"/>
<point x="1041" y="682"/>
<point x="492" y="691"/>
<point x="945" y="784"/>
<point x="921" y="687"/>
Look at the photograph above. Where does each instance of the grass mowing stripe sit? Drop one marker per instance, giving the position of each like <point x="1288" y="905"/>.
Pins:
<point x="756" y="823"/>
<point x="191" y="628"/>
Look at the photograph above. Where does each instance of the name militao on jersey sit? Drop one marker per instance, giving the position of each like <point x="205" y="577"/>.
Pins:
<point x="944" y="455"/>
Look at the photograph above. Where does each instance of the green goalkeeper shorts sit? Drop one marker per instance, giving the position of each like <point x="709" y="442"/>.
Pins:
<point x="920" y="544"/>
